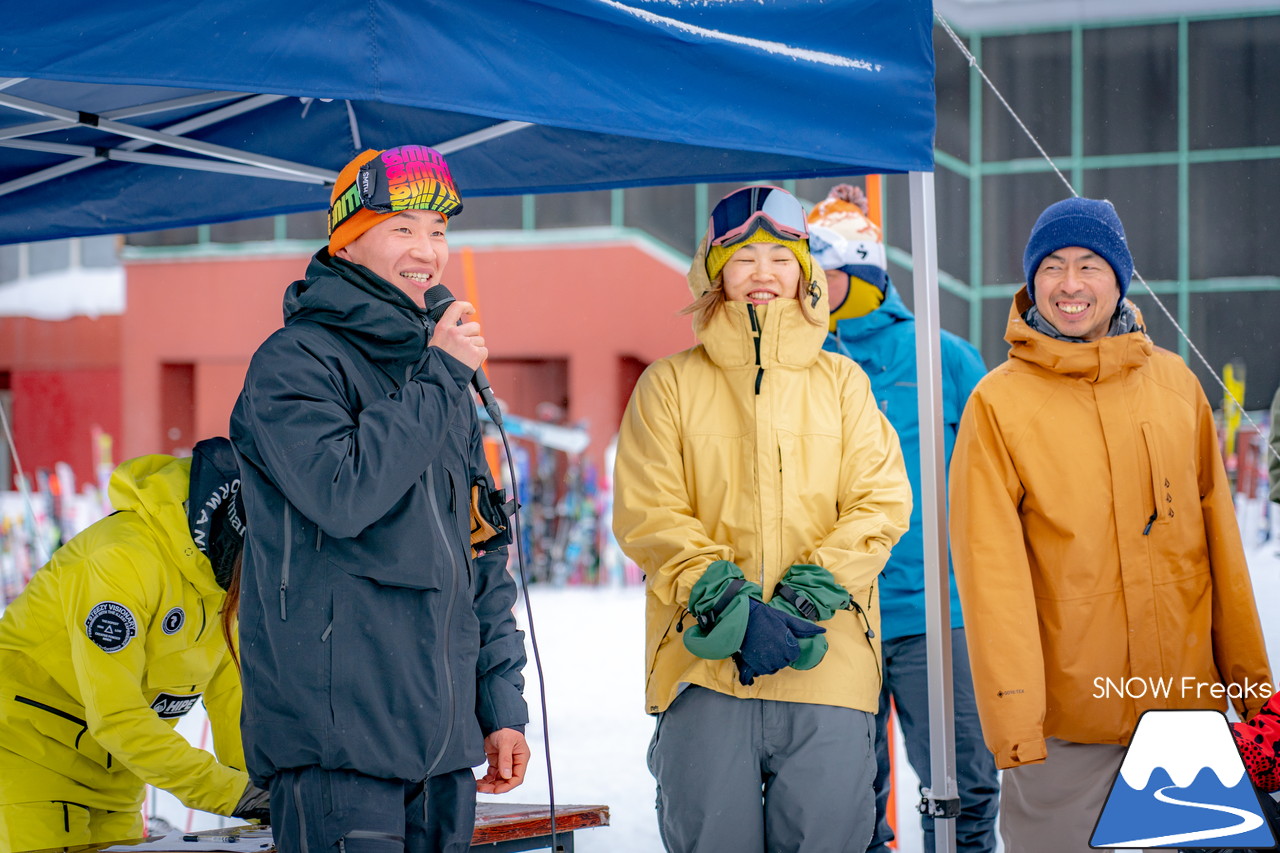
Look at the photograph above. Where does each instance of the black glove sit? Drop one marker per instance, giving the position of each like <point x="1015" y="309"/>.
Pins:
<point x="255" y="804"/>
<point x="771" y="641"/>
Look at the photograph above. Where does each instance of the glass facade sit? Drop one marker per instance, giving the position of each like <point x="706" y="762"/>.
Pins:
<point x="1177" y="121"/>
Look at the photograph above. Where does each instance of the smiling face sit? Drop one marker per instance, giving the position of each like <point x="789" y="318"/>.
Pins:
<point x="1076" y="291"/>
<point x="761" y="272"/>
<point x="409" y="250"/>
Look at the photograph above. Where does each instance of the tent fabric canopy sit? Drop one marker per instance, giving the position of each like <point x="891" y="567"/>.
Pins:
<point x="523" y="96"/>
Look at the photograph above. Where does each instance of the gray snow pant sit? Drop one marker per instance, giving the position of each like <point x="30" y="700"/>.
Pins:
<point x="755" y="775"/>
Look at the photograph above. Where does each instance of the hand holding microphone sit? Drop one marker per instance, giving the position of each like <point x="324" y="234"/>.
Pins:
<point x="461" y="340"/>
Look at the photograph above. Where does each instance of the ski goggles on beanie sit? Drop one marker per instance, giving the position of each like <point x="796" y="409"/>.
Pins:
<point x="379" y="184"/>
<point x="741" y="212"/>
<point x="761" y="214"/>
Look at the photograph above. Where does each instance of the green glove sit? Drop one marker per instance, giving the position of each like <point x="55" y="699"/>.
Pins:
<point x="720" y="601"/>
<point x="810" y="592"/>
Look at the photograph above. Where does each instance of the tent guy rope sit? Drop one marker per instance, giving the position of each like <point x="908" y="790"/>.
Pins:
<point x="973" y="63"/>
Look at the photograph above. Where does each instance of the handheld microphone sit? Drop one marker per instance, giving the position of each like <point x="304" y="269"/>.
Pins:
<point x="437" y="299"/>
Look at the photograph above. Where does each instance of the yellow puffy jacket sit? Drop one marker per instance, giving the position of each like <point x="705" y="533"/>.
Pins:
<point x="109" y="644"/>
<point x="766" y="463"/>
<point x="1094" y="538"/>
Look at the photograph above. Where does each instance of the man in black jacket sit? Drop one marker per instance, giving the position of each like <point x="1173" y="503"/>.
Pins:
<point x="381" y="657"/>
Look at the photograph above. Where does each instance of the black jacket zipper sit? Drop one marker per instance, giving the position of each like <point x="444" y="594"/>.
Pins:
<point x="755" y="337"/>
<point x="448" y="614"/>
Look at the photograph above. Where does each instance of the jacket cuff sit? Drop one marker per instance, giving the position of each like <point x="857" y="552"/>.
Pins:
<point x="458" y="371"/>
<point x="500" y="705"/>
<point x="1024" y="752"/>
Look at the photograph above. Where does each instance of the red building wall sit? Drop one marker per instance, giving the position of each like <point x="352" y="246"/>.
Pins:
<point x="568" y="324"/>
<point x="64" y="378"/>
<point x="58" y="413"/>
<point x="565" y="323"/>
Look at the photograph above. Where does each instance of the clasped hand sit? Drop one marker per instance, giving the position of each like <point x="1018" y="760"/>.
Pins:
<point x="771" y="641"/>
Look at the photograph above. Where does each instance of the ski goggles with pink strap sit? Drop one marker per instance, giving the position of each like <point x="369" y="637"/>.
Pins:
<point x="741" y="212"/>
<point x="410" y="177"/>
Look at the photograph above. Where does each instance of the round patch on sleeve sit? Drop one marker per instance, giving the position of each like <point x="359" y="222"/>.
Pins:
<point x="173" y="621"/>
<point x="111" y="626"/>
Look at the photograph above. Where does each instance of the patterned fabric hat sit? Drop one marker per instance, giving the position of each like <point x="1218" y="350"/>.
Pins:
<point x="377" y="185"/>
<point x="848" y="241"/>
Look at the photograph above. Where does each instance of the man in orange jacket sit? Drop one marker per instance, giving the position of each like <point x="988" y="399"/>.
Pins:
<point x="1094" y="537"/>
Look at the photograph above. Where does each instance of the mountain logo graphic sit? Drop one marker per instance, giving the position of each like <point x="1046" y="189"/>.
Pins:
<point x="1182" y="784"/>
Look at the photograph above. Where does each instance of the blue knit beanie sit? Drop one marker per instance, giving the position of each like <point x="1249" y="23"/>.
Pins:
<point x="1085" y="222"/>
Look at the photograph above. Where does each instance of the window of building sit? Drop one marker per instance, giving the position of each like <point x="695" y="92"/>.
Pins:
<point x="48" y="256"/>
<point x="558" y="210"/>
<point x="1034" y="73"/>
<point x="667" y="213"/>
<point x="10" y="262"/>
<point x="311" y="225"/>
<point x="243" y="231"/>
<point x="166" y="237"/>
<point x="1233" y="222"/>
<point x="1130" y="83"/>
<point x="1234" y="99"/>
<point x="99" y="252"/>
<point x="490" y="213"/>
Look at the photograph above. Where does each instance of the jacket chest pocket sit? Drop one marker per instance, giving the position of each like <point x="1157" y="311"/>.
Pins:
<point x="809" y="469"/>
<point x="183" y="672"/>
<point x="1161" y="508"/>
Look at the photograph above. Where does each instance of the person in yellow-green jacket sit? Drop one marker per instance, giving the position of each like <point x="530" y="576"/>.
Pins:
<point x="760" y="489"/>
<point x="122" y="633"/>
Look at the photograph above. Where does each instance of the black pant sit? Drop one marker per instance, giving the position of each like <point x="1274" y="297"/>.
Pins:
<point x="319" y="811"/>
<point x="1270" y="811"/>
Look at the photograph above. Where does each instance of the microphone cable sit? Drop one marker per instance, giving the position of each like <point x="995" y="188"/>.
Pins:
<point x="528" y="610"/>
<point x="436" y="300"/>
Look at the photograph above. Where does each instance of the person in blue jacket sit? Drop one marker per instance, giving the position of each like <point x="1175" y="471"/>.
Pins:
<point x="871" y="325"/>
<point x="381" y="656"/>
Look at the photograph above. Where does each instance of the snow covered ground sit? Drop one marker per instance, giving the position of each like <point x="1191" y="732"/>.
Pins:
<point x="592" y="646"/>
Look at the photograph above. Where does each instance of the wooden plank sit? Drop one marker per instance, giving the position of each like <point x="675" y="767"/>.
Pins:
<point x="506" y="821"/>
<point x="495" y="822"/>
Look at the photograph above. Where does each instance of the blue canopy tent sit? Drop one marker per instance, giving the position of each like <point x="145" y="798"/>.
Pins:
<point x="524" y="96"/>
<point x="128" y="116"/>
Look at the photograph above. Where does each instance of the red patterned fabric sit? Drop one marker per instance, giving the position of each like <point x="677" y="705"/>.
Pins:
<point x="1258" y="741"/>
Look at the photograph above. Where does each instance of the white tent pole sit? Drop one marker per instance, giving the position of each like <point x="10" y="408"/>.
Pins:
<point x="248" y="104"/>
<point x="467" y="140"/>
<point x="941" y="798"/>
<point x="123" y="155"/>
<point x="165" y="139"/>
<point x="38" y="128"/>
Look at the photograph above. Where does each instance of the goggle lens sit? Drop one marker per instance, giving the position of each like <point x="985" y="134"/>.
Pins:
<point x="739" y="213"/>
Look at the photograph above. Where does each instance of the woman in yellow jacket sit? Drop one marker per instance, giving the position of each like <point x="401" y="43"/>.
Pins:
<point x="116" y="638"/>
<point x="760" y="489"/>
